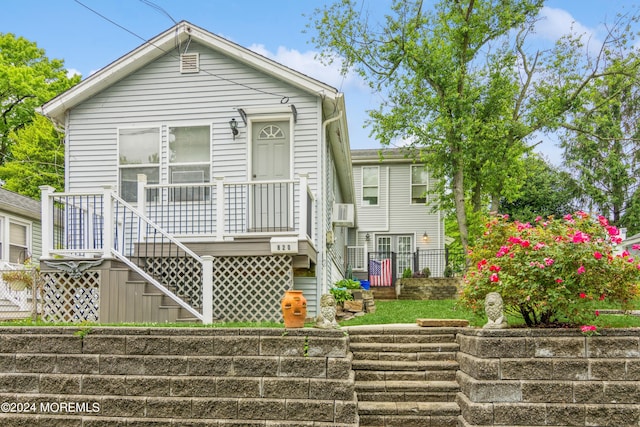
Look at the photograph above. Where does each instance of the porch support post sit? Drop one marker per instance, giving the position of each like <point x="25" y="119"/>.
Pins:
<point x="47" y="219"/>
<point x="219" y="208"/>
<point x="107" y="238"/>
<point x="302" y="207"/>
<point x="142" y="201"/>
<point x="207" y="289"/>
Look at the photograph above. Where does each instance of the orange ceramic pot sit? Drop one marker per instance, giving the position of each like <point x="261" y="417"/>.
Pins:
<point x="294" y="309"/>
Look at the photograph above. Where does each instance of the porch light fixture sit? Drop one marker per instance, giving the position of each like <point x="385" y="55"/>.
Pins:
<point x="234" y="128"/>
<point x="367" y="237"/>
<point x="425" y="237"/>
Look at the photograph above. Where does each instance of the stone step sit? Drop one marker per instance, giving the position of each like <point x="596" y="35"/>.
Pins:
<point x="405" y="376"/>
<point x="407" y="391"/>
<point x="402" y="338"/>
<point x="401" y="356"/>
<point x="393" y="365"/>
<point x="408" y="414"/>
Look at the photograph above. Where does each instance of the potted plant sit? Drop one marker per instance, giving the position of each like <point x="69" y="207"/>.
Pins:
<point x="18" y="280"/>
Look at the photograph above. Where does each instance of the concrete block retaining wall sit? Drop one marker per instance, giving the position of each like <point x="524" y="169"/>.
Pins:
<point x="175" y="377"/>
<point x="532" y="377"/>
<point x="437" y="288"/>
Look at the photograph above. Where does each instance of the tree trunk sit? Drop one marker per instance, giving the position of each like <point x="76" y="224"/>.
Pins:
<point x="461" y="214"/>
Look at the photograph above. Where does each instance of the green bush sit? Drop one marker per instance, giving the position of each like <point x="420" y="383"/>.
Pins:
<point x="341" y="295"/>
<point x="554" y="272"/>
<point x="347" y="283"/>
<point x="407" y="273"/>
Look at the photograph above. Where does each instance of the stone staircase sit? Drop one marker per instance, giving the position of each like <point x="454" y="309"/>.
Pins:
<point x="405" y="375"/>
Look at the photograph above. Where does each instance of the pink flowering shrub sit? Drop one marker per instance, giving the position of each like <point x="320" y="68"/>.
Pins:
<point x="551" y="272"/>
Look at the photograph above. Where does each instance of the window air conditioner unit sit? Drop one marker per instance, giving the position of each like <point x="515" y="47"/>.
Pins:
<point x="343" y="214"/>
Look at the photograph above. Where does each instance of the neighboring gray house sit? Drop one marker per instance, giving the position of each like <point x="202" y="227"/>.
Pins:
<point x="192" y="146"/>
<point x="395" y="216"/>
<point x="20" y="231"/>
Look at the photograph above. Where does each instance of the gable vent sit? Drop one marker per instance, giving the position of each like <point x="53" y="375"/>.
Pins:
<point x="189" y="63"/>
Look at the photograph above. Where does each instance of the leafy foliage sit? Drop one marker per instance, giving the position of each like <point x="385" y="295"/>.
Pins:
<point x="551" y="272"/>
<point x="28" y="79"/>
<point x="341" y="294"/>
<point x="37" y="158"/>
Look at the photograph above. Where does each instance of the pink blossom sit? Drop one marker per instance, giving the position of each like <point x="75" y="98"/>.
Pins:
<point x="494" y="278"/>
<point x="525" y="243"/>
<point x="603" y="221"/>
<point x="482" y="264"/>
<point x="568" y="217"/>
<point x="597" y="255"/>
<point x="583" y="295"/>
<point x="581" y="237"/>
<point x="597" y="313"/>
<point x="588" y="328"/>
<point x="602" y="297"/>
<point x="612" y="230"/>
<point x="515" y="240"/>
<point x="538" y="218"/>
<point x="539" y="246"/>
<point x="582" y="214"/>
<point x="559" y="280"/>
<point x="549" y="261"/>
<point x="581" y="269"/>
<point x="495" y="268"/>
<point x="503" y="251"/>
<point x="636" y="247"/>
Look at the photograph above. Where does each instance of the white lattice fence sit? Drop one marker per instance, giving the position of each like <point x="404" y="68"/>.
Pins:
<point x="250" y="288"/>
<point x="182" y="275"/>
<point x="71" y="299"/>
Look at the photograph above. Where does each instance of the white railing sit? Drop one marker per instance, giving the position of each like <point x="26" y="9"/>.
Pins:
<point x="357" y="258"/>
<point x="224" y="209"/>
<point x="83" y="225"/>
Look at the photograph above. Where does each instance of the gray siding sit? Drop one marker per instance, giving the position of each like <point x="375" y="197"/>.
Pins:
<point x="159" y="95"/>
<point x="395" y="214"/>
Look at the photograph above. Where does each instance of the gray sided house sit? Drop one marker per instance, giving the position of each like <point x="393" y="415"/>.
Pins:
<point x="397" y="227"/>
<point x="201" y="180"/>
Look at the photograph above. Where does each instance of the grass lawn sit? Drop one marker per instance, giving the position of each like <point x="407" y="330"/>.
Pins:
<point x="397" y="311"/>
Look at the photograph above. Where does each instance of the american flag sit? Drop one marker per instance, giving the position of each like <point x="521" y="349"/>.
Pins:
<point x="380" y="272"/>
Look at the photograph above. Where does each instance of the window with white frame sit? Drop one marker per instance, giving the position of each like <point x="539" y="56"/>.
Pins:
<point x="419" y="184"/>
<point x="138" y="153"/>
<point x="370" y="185"/>
<point x="15" y="236"/>
<point x="189" y="160"/>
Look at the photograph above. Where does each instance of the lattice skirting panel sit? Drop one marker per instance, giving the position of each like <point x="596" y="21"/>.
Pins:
<point x="182" y="275"/>
<point x="251" y="288"/>
<point x="71" y="299"/>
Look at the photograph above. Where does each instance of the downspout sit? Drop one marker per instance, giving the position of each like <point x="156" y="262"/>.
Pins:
<point x="323" y="215"/>
<point x="67" y="156"/>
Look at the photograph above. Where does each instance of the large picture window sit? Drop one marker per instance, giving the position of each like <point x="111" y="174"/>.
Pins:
<point x="138" y="153"/>
<point x="15" y="236"/>
<point x="370" y="185"/>
<point x="419" y="184"/>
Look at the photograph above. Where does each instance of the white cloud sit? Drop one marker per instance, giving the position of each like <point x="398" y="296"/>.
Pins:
<point x="73" y="72"/>
<point x="555" y="23"/>
<point x="307" y="63"/>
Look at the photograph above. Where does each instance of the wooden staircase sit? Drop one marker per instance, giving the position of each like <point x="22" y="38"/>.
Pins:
<point x="405" y="375"/>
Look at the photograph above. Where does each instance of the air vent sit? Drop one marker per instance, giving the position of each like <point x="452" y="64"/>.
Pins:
<point x="189" y="63"/>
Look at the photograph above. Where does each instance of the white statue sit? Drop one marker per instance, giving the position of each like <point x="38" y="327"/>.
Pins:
<point x="327" y="317"/>
<point x="493" y="306"/>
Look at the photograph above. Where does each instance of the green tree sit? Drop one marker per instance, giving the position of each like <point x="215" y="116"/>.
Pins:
<point x="602" y="145"/>
<point x="27" y="80"/>
<point x="461" y="87"/>
<point x="37" y="158"/>
<point x="546" y="191"/>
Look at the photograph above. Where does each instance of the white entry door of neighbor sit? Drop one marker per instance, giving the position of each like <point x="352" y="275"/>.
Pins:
<point x="271" y="208"/>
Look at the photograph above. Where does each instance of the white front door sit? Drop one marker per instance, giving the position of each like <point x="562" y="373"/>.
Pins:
<point x="271" y="208"/>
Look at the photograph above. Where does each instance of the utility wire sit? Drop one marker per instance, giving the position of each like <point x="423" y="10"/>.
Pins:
<point x="284" y="99"/>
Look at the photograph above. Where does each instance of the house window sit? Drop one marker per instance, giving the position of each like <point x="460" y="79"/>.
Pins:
<point x="370" y="180"/>
<point x="189" y="161"/>
<point x="419" y="184"/>
<point x="138" y="153"/>
<point x="14" y="240"/>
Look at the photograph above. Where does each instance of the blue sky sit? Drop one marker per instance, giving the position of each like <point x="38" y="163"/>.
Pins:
<point x="87" y="42"/>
